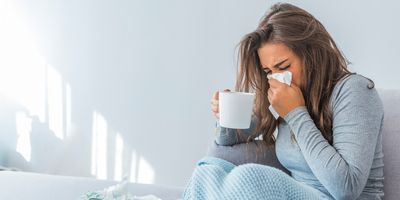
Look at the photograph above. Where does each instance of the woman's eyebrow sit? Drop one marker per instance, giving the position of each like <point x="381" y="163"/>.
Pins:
<point x="280" y="63"/>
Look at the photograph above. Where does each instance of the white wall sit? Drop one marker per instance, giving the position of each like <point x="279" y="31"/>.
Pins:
<point x="125" y="86"/>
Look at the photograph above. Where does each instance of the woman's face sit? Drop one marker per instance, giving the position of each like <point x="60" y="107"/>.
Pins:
<point x="276" y="58"/>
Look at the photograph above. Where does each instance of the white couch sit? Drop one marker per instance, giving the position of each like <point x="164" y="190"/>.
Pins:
<point x="25" y="185"/>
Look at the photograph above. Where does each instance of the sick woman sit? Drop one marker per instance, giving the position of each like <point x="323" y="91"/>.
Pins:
<point x="329" y="125"/>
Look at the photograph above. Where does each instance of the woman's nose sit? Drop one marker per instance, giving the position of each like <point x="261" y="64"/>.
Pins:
<point x="269" y="76"/>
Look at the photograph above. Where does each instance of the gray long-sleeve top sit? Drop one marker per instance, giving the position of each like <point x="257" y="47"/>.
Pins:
<point x="350" y="168"/>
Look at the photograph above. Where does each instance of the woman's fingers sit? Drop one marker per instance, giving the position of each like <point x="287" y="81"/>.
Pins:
<point x="270" y="93"/>
<point x="272" y="83"/>
<point x="215" y="109"/>
<point x="215" y="103"/>
<point x="215" y="98"/>
<point x="215" y="95"/>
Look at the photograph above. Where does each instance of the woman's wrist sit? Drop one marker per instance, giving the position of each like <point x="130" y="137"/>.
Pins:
<point x="294" y="112"/>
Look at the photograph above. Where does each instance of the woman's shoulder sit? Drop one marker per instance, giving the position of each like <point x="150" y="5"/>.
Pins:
<point x="355" y="87"/>
<point x="354" y="80"/>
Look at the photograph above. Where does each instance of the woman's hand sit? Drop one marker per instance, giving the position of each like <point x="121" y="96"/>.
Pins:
<point x="284" y="98"/>
<point x="215" y="103"/>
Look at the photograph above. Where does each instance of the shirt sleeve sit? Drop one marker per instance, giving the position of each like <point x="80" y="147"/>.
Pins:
<point x="343" y="167"/>
<point x="228" y="137"/>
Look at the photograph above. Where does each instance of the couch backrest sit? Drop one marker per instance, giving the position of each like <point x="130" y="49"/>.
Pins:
<point x="391" y="142"/>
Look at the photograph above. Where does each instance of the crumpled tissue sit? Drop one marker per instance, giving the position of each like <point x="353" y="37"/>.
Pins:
<point x="284" y="77"/>
<point x="116" y="192"/>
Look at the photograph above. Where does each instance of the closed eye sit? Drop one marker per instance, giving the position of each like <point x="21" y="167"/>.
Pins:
<point x="267" y="71"/>
<point x="285" y="67"/>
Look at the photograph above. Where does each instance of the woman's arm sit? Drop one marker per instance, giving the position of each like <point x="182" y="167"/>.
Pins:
<point x="229" y="137"/>
<point x="343" y="168"/>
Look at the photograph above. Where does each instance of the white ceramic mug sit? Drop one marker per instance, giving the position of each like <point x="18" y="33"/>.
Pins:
<point x="235" y="109"/>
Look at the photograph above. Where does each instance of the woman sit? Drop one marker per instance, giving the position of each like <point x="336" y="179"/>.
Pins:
<point x="329" y="129"/>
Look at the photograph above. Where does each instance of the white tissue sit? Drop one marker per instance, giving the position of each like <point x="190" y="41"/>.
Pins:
<point x="116" y="192"/>
<point x="285" y="77"/>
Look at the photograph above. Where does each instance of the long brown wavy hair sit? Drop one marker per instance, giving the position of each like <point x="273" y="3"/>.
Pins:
<point x="323" y="66"/>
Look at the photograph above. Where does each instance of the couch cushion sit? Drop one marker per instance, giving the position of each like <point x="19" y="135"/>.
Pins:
<point x="252" y="152"/>
<point x="391" y="142"/>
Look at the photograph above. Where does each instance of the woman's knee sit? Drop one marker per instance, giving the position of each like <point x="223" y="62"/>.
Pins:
<point x="261" y="174"/>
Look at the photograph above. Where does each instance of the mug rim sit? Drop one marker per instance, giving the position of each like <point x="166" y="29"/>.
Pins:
<point x="234" y="92"/>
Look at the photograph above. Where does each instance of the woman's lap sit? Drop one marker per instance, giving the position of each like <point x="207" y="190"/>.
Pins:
<point x="275" y="182"/>
<point x="214" y="178"/>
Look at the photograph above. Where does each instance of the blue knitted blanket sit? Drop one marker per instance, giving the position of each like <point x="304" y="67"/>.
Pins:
<point x="214" y="178"/>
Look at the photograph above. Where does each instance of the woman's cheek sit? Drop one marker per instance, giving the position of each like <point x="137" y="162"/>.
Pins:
<point x="296" y="81"/>
<point x="296" y="78"/>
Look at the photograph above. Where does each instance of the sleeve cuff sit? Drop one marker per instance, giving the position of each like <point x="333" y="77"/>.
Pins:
<point x="292" y="114"/>
<point x="219" y="130"/>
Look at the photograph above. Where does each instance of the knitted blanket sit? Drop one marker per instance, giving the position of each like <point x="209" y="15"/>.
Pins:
<point x="214" y="178"/>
